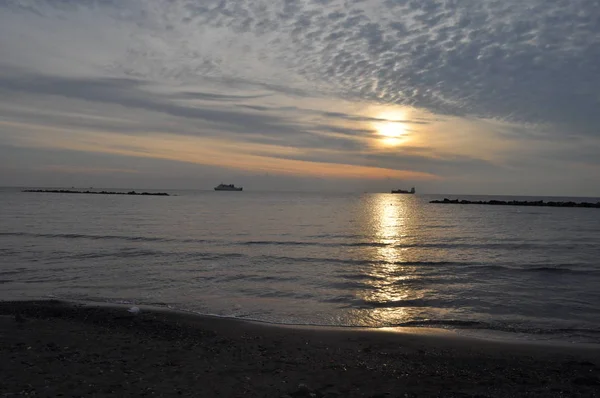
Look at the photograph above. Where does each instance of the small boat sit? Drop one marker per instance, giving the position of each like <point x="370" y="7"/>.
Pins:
<point x="411" y="192"/>
<point x="227" y="187"/>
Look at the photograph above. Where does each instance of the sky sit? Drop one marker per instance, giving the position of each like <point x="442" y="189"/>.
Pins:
<point x="449" y="96"/>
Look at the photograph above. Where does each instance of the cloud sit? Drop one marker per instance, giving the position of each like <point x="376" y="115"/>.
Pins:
<point x="214" y="96"/>
<point x="86" y="170"/>
<point x="270" y="125"/>
<point x="533" y="61"/>
<point x="128" y="93"/>
<point x="256" y="158"/>
<point x="134" y="94"/>
<point x="475" y="84"/>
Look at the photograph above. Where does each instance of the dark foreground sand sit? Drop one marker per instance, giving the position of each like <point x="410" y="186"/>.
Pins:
<point x="58" y="349"/>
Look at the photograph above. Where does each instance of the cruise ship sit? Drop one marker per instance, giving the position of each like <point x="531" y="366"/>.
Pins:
<point x="227" y="187"/>
<point x="412" y="191"/>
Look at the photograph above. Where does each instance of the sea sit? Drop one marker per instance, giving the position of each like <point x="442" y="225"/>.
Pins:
<point x="323" y="259"/>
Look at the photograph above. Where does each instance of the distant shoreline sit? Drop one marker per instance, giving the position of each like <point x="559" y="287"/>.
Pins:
<point x="95" y="192"/>
<point x="539" y="203"/>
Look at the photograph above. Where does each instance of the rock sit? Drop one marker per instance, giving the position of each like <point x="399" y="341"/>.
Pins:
<point x="587" y="381"/>
<point x="134" y="310"/>
<point x="303" y="391"/>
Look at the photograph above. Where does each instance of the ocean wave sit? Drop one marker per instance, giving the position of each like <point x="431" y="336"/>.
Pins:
<point x="443" y="322"/>
<point x="455" y="245"/>
<point x="364" y="262"/>
<point x="373" y="243"/>
<point x="555" y="269"/>
<point x="8" y="252"/>
<point x="362" y="276"/>
<point x="449" y="226"/>
<point x="581" y="333"/>
<point x="15" y="271"/>
<point x="255" y="278"/>
<point x="91" y="237"/>
<point x="350" y="285"/>
<point x="131" y="253"/>
<point x="496" y="326"/>
<point x="337" y="236"/>
<point x="212" y="253"/>
<point x="374" y="282"/>
<point x="311" y="243"/>
<point x="280" y="294"/>
<point x="342" y="299"/>
<point x="559" y="270"/>
<point x="426" y="303"/>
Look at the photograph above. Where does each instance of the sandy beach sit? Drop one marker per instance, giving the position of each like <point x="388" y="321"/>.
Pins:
<point x="52" y="348"/>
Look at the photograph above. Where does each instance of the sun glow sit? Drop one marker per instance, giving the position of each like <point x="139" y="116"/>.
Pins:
<point x="392" y="129"/>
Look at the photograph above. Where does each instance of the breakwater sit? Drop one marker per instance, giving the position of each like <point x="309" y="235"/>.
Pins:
<point x="96" y="192"/>
<point x="518" y="203"/>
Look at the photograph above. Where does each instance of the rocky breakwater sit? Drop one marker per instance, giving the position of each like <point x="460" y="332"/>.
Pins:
<point x="96" y="192"/>
<point x="518" y="203"/>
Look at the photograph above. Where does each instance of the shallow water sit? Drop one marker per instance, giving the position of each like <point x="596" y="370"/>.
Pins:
<point x="305" y="258"/>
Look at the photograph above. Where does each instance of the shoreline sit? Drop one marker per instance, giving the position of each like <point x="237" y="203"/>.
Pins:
<point x="446" y="335"/>
<point x="475" y="333"/>
<point x="52" y="347"/>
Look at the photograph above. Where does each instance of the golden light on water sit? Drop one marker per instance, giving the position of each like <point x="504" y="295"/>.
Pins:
<point x="389" y="223"/>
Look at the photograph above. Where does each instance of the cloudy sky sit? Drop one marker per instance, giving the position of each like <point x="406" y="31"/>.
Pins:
<point x="451" y="96"/>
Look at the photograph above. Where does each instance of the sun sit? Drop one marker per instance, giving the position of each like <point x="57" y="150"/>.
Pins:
<point x="391" y="126"/>
<point x="391" y="133"/>
<point x="391" y="129"/>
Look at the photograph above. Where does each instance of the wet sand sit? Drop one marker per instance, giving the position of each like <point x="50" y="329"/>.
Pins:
<point x="51" y="348"/>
